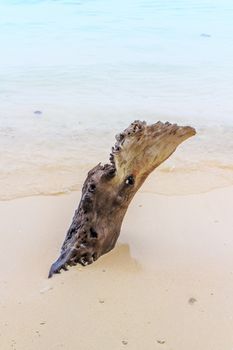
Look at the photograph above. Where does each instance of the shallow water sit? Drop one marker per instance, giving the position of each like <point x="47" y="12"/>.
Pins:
<point x="90" y="68"/>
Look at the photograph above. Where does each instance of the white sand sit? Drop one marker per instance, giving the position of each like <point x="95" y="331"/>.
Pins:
<point x="167" y="285"/>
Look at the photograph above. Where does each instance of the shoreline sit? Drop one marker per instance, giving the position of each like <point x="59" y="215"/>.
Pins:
<point x="156" y="184"/>
<point x="169" y="279"/>
<point x="58" y="161"/>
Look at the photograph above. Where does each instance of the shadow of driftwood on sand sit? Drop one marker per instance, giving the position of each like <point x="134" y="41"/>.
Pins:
<point x="119" y="259"/>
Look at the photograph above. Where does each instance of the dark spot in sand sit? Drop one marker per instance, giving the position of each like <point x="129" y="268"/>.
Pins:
<point x="192" y="301"/>
<point x="37" y="112"/>
<point x="161" y="341"/>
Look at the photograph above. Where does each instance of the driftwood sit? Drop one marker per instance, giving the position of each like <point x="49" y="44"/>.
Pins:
<point x="109" y="189"/>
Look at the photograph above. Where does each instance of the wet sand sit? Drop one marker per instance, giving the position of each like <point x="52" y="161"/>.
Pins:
<point x="167" y="285"/>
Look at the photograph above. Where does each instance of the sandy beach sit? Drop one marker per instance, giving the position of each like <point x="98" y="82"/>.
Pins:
<point x="167" y="284"/>
<point x="73" y="75"/>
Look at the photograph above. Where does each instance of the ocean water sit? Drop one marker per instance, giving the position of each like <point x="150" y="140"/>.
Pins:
<point x="74" y="73"/>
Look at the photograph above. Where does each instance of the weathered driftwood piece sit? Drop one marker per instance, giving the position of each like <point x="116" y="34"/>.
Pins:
<point x="109" y="189"/>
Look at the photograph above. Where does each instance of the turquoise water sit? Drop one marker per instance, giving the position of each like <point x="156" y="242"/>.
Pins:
<point x="91" y="67"/>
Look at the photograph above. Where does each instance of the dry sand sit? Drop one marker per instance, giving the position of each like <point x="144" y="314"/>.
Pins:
<point x="167" y="285"/>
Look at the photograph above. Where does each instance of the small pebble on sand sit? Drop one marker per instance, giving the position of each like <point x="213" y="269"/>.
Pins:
<point x="192" y="301"/>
